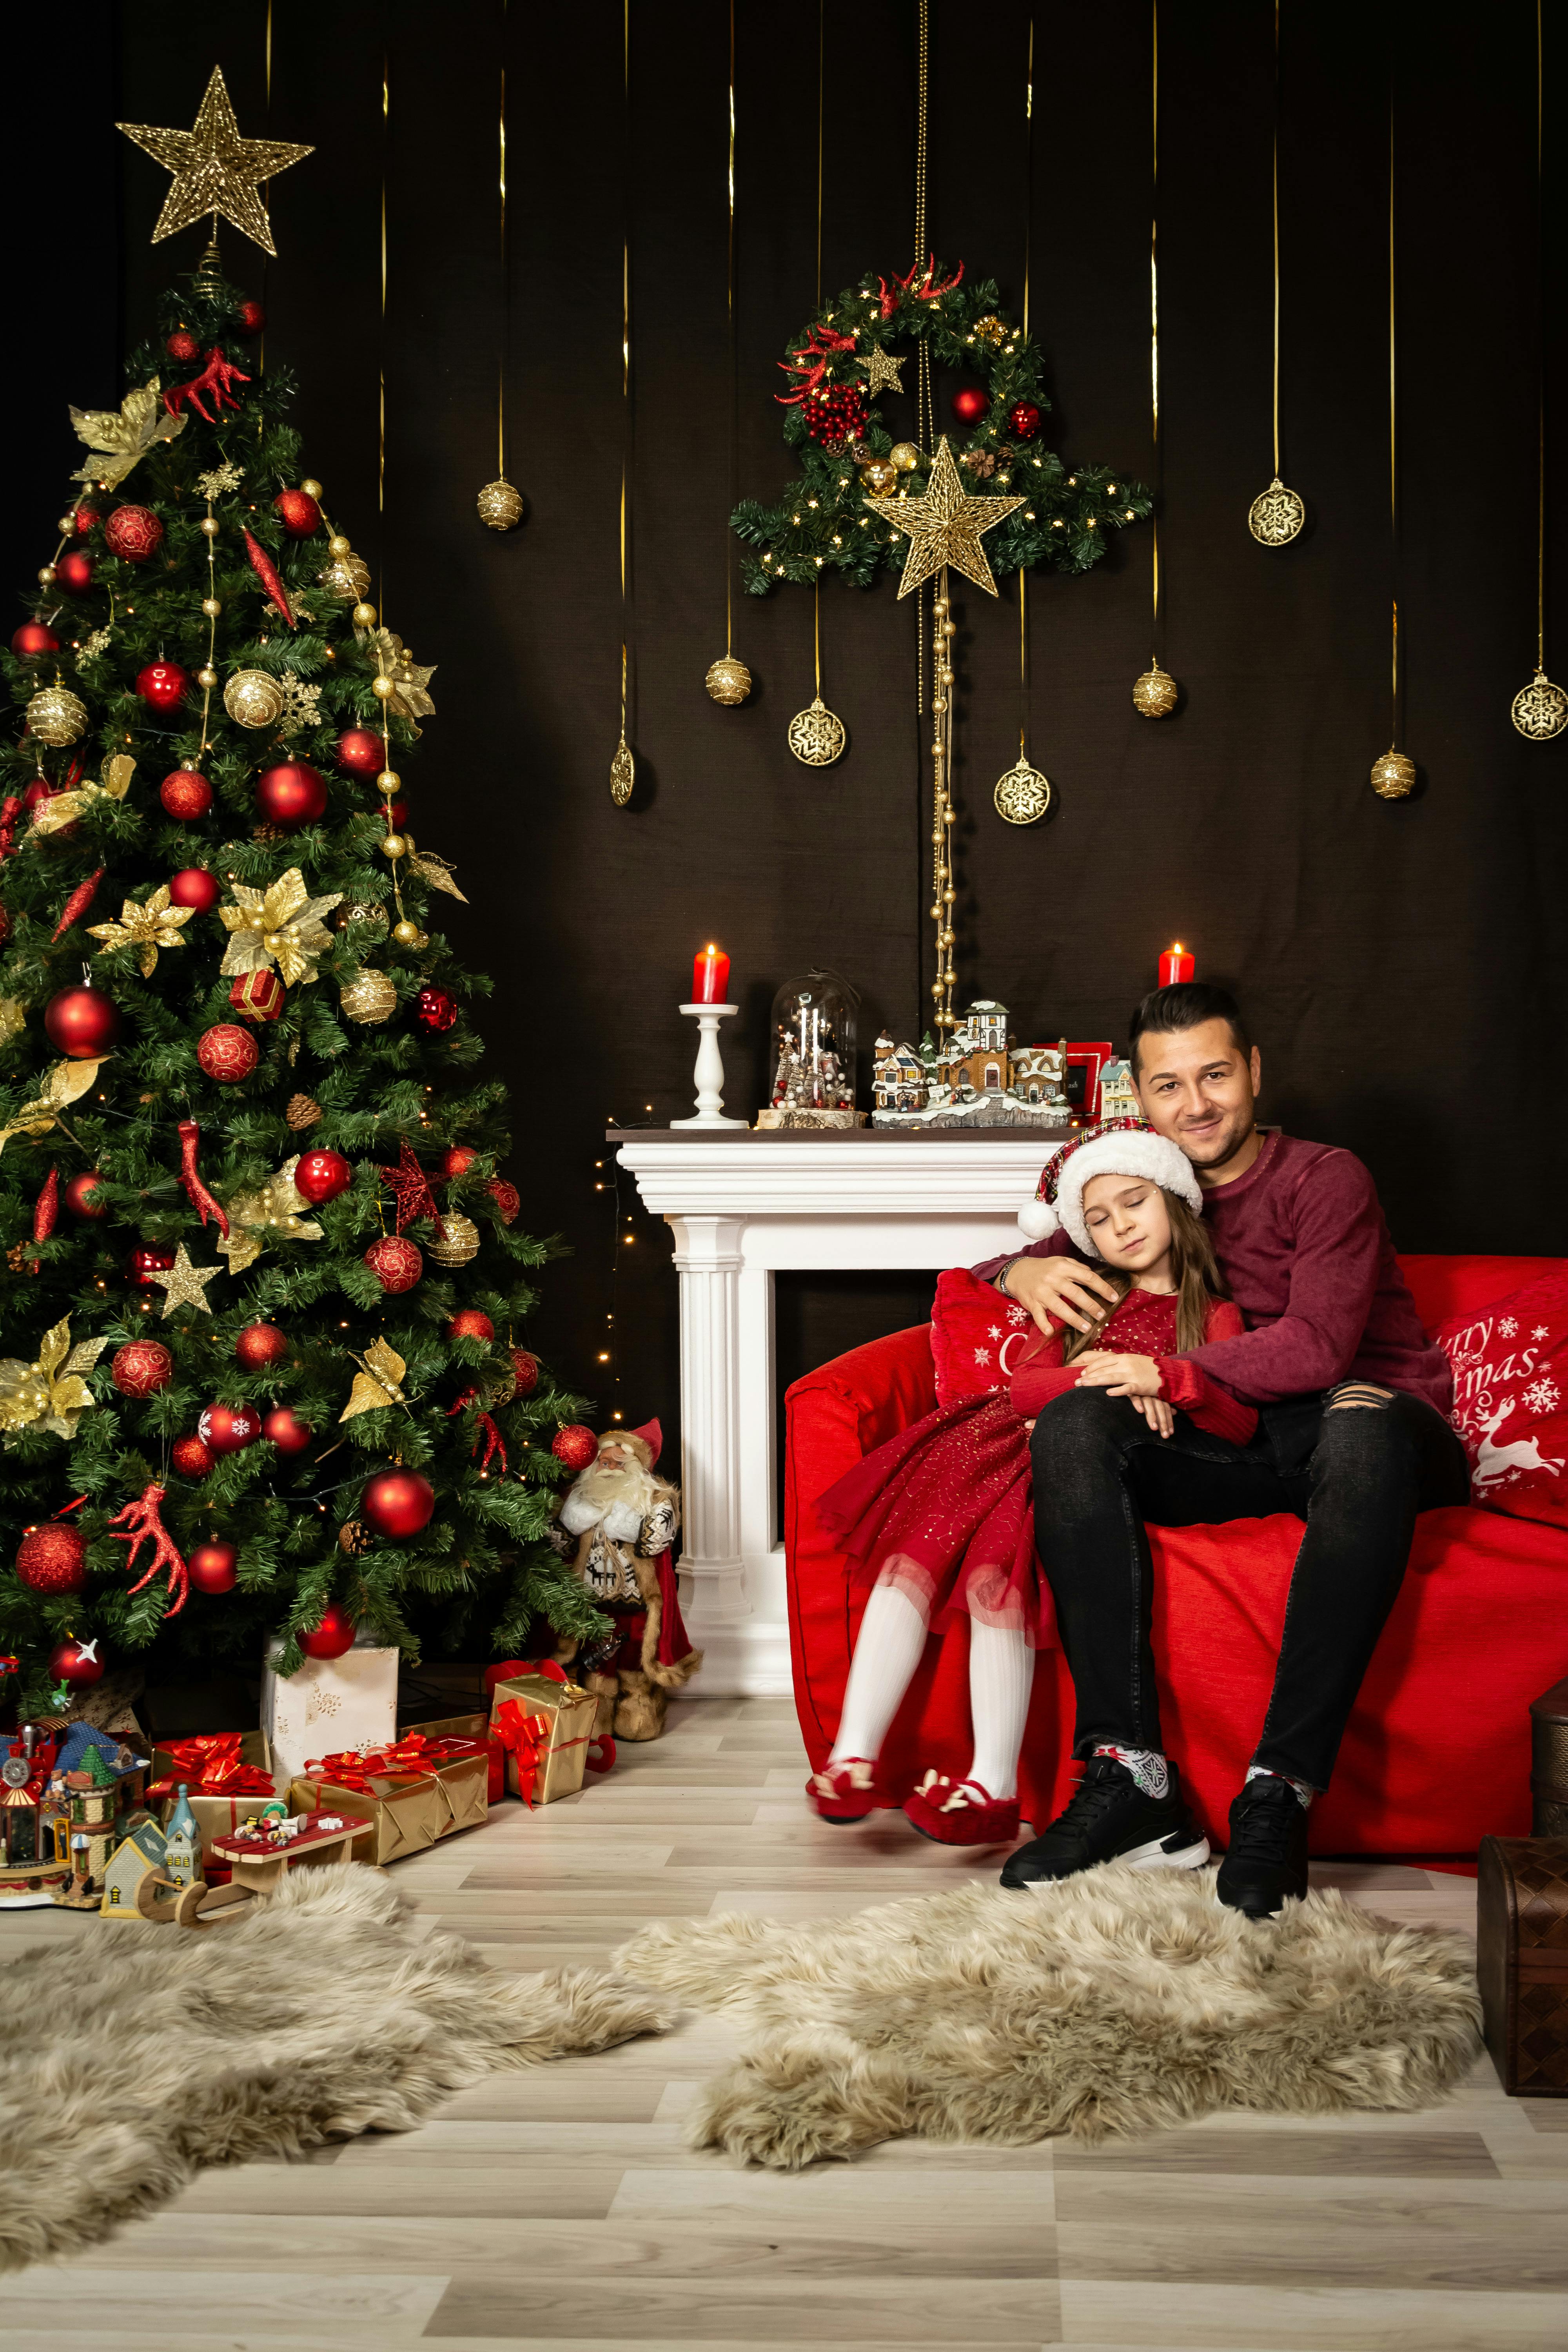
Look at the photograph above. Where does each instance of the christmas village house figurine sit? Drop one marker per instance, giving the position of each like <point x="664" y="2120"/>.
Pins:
<point x="70" y="1790"/>
<point x="34" y="1823"/>
<point x="978" y="1078"/>
<point x="143" y="1850"/>
<point x="1118" y="1095"/>
<point x="617" y="1525"/>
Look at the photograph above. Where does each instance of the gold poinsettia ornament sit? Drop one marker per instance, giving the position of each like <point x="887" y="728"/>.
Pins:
<point x="65" y="1082"/>
<point x="120" y="442"/>
<point x="147" y="925"/>
<point x="281" y="925"/>
<point x="49" y="1394"/>
<point x="378" y="1383"/>
<point x="407" y="683"/>
<point x="66" y="807"/>
<point x="255" y="1217"/>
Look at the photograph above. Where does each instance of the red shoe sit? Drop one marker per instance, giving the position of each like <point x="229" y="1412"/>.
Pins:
<point x="841" y="1793"/>
<point x="946" y="1811"/>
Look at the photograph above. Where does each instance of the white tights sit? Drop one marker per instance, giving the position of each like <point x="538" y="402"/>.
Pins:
<point x="1001" y="1673"/>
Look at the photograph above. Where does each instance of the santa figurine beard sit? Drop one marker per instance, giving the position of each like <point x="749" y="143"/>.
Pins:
<point x="615" y="1492"/>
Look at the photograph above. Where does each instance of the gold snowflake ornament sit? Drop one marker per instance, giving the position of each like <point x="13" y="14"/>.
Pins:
<point x="147" y="927"/>
<point x="216" y="171"/>
<point x="301" y="703"/>
<point x="944" y="527"/>
<point x="120" y="441"/>
<point x="221" y="480"/>
<point x="281" y="925"/>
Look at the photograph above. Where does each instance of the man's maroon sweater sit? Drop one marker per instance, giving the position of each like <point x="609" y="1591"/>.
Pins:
<point x="1302" y="1241"/>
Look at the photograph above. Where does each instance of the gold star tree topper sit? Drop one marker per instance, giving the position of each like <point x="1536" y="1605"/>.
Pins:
<point x="945" y="526"/>
<point x="216" y="171"/>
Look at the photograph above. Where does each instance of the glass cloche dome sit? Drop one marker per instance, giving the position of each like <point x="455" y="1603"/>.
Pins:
<point x="814" y="1050"/>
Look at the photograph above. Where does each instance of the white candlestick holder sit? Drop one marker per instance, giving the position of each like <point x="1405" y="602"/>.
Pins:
<point x="708" y="1071"/>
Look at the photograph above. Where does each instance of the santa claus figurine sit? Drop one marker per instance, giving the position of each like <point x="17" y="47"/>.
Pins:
<point x="616" y="1524"/>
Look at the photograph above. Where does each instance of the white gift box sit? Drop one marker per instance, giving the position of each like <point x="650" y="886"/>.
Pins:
<point x="329" y="1705"/>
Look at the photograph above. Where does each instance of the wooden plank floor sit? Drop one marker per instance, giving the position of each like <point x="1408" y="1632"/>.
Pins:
<point x="558" y="2210"/>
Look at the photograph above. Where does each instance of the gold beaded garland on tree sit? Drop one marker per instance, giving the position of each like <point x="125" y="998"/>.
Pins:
<point x="729" y="681"/>
<point x="458" y="1243"/>
<point x="56" y="716"/>
<point x="1155" y="694"/>
<point x="369" y="997"/>
<point x="1393" y="776"/>
<point x="253" y="697"/>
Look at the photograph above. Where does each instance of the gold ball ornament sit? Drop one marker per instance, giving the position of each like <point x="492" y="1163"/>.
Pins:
<point x="212" y="606"/>
<point x="206" y="677"/>
<point x="880" y="476"/>
<point x="348" y="579"/>
<point x="338" y="546"/>
<point x="47" y="574"/>
<point x="729" y="681"/>
<point x="904" y="457"/>
<point x="1276" y="515"/>
<point x="384" y="687"/>
<point x="311" y="489"/>
<point x="500" y="506"/>
<point x="253" y="698"/>
<point x="1393" y="776"/>
<point x="364" y="616"/>
<point x="362" y="910"/>
<point x="1155" y="694"/>
<point x="1022" y="796"/>
<point x="56" y="716"/>
<point x="209" y="526"/>
<point x="459" y="1243"/>
<point x="66" y="523"/>
<point x="407" y="934"/>
<point x="815" y="736"/>
<point x="389" y="783"/>
<point x="368" y="998"/>
<point x="1540" y="709"/>
<point x="392" y="846"/>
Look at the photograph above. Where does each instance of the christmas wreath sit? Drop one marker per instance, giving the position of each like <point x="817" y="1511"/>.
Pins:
<point x="843" y="358"/>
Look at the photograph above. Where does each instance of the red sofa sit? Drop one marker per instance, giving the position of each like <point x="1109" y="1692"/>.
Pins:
<point x="1436" y="1753"/>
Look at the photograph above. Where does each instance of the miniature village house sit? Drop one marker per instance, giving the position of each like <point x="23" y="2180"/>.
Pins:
<point x="977" y="1079"/>
<point x="135" y="1855"/>
<point x="1118" y="1096"/>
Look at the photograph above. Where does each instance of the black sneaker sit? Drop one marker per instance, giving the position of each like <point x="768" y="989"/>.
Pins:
<point x="1267" y="1859"/>
<point x="1109" y="1817"/>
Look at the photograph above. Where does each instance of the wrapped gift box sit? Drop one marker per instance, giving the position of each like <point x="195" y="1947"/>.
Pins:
<point x="546" y="1722"/>
<point x="331" y="1704"/>
<point x="477" y="1727"/>
<point x="411" y="1798"/>
<point x="224" y="1772"/>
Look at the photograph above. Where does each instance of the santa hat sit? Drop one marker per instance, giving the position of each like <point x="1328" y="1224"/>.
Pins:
<point x="649" y="1436"/>
<point x="1121" y="1147"/>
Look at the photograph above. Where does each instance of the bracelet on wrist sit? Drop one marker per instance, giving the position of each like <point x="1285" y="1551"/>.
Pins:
<point x="1004" y="1271"/>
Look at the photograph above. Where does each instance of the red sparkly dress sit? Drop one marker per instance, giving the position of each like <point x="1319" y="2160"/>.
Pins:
<point x="945" y="1509"/>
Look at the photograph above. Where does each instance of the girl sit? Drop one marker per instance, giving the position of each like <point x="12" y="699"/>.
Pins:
<point x="940" y="1520"/>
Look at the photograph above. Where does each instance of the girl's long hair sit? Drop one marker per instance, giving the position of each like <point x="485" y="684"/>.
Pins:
<point x="1194" y="1270"/>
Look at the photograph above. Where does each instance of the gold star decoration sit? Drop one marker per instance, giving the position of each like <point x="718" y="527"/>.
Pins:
<point x="281" y="925"/>
<point x="185" y="1285"/>
<point x="379" y="1382"/>
<point x="120" y="442"/>
<point x="410" y="697"/>
<point x="945" y="526"/>
<point x="882" y="373"/>
<point x="65" y="1082"/>
<point x="49" y="1394"/>
<point x="253" y="1217"/>
<point x="147" y="927"/>
<point x="216" y="171"/>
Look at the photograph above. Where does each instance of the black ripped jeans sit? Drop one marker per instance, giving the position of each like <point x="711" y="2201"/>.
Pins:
<point x="1357" y="1473"/>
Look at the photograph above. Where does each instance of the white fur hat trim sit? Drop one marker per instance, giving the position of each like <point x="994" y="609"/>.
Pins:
<point x="1132" y="1151"/>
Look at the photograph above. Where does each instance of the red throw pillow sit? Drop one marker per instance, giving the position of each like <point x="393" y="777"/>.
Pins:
<point x="972" y="1328"/>
<point x="1510" y="1372"/>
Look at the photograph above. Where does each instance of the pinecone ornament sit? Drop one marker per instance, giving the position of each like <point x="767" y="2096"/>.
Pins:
<point x="301" y="1112"/>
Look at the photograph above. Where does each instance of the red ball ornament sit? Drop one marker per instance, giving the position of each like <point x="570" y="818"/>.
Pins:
<point x="293" y="794"/>
<point x="321" y="1176"/>
<point x="395" y="1263"/>
<point x="252" y="317"/>
<point x="332" y="1637"/>
<point x="214" y="1567"/>
<point x="182" y="345"/>
<point x="300" y="513"/>
<point x="398" y="815"/>
<point x="52" y="1559"/>
<point x="1023" y="420"/>
<point x="77" y="1662"/>
<point x="34" y="638"/>
<point x="135" y="532"/>
<point x="192" y="885"/>
<point x="435" y="1010"/>
<point x="506" y="1196"/>
<point x="574" y="1446"/>
<point x="526" y="1367"/>
<point x="398" y="1503"/>
<point x="456" y="1161"/>
<point x="186" y="794"/>
<point x="470" y="1324"/>
<point x="286" y="1432"/>
<point x="82" y="1022"/>
<point x="229" y="1428"/>
<point x="73" y="572"/>
<point x="163" y="685"/>
<point x="360" y="753"/>
<point x="969" y="405"/>
<point x="86" y="520"/>
<point x="145" y="1262"/>
<point x="193" y="1457"/>
<point x="82" y="1197"/>
<point x="228" y="1052"/>
<point x="141" y="1369"/>
<point x="259" y="1344"/>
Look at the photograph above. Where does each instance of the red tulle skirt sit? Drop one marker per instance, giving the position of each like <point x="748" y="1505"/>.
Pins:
<point x="945" y="1512"/>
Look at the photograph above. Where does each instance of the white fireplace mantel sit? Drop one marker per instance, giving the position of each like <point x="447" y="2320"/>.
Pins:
<point x="741" y="1206"/>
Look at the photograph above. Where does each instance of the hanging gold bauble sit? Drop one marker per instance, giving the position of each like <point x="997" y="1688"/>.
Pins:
<point x="623" y="773"/>
<point x="729" y="681"/>
<point x="1022" y="795"/>
<point x="459" y="1243"/>
<point x="1393" y="776"/>
<point x="500" y="506"/>
<point x="361" y="911"/>
<point x="253" y="698"/>
<point x="56" y="716"/>
<point x="815" y="736"/>
<point x="904" y="455"/>
<point x="880" y="475"/>
<point x="1155" y="694"/>
<point x="346" y="577"/>
<point x="1540" y="709"/>
<point x="1276" y="515"/>
<point x="369" y="997"/>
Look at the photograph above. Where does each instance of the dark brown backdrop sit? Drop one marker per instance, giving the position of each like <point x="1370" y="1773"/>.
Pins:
<point x="1399" y="963"/>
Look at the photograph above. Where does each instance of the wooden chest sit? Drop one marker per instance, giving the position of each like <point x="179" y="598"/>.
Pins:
<point x="1521" y="1960"/>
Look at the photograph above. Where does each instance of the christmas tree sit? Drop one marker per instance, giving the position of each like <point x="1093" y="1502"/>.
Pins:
<point x="260" y="1327"/>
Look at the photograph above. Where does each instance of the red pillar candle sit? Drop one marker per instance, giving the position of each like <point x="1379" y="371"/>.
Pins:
<point x="1175" y="965"/>
<point x="710" y="976"/>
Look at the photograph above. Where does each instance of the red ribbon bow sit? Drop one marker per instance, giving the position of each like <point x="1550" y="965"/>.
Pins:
<point x="526" y="1737"/>
<point x="211" y="1767"/>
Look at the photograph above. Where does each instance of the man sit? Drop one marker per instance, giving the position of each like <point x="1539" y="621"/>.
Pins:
<point x="1353" y="1422"/>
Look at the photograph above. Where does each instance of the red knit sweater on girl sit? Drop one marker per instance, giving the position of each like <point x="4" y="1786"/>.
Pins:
<point x="1144" y="1324"/>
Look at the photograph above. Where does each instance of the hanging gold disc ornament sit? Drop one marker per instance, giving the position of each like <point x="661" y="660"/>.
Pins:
<point x="729" y="681"/>
<point x="1540" y="709"/>
<point x="253" y="697"/>
<point x="623" y="773"/>
<point x="500" y="507"/>
<point x="815" y="736"/>
<point x="1393" y="776"/>
<point x="1155" y="694"/>
<point x="1276" y="515"/>
<point x="1022" y="795"/>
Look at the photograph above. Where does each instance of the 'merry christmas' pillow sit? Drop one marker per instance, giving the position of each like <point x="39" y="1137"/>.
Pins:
<point x="975" y="1336"/>
<point x="1511" y="1375"/>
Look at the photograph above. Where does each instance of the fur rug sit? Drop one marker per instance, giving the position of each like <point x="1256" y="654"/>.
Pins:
<point x="136" y="2056"/>
<point x="1121" y="2001"/>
